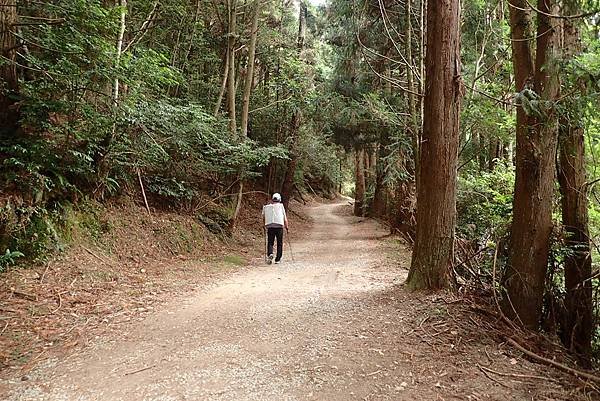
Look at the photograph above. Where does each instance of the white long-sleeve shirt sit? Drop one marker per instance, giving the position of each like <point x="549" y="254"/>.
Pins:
<point x="274" y="214"/>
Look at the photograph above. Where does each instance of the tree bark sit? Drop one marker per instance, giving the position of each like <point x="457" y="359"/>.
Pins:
<point x="123" y="5"/>
<point x="380" y="197"/>
<point x="288" y="182"/>
<point x="382" y="191"/>
<point x="104" y="148"/>
<point x="359" y="191"/>
<point x="535" y="168"/>
<point x="436" y="191"/>
<point x="223" y="84"/>
<point x="250" y="69"/>
<point x="578" y="324"/>
<point x="9" y="87"/>
<point x="232" y="66"/>
<point x="412" y="102"/>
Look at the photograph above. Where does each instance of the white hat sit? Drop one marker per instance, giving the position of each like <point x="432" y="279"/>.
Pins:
<point x="276" y="197"/>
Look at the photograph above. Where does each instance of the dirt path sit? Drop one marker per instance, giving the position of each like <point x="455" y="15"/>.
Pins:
<point x="330" y="326"/>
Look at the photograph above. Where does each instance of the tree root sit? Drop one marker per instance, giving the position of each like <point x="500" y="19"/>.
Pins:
<point x="555" y="364"/>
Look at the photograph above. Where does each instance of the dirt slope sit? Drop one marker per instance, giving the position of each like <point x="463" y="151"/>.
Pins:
<point x="332" y="325"/>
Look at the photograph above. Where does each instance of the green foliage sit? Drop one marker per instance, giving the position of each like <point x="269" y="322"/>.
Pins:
<point x="320" y="162"/>
<point x="32" y="231"/>
<point x="9" y="258"/>
<point x="484" y="203"/>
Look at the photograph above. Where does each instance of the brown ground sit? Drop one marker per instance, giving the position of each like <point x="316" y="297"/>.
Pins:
<point x="332" y="324"/>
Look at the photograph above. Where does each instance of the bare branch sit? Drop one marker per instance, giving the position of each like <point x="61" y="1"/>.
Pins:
<point x="143" y="30"/>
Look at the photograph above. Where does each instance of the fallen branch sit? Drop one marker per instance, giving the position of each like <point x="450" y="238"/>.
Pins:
<point x="30" y="297"/>
<point x="44" y="273"/>
<point x="143" y="191"/>
<point x="3" y="329"/>
<point x="139" y="370"/>
<point x="550" y="362"/>
<point x="59" y="303"/>
<point x="94" y="255"/>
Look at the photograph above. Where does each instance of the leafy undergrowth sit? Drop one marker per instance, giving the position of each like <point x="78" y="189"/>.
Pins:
<point x="106" y="279"/>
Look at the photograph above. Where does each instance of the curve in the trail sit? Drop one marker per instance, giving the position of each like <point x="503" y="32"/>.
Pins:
<point x="263" y="334"/>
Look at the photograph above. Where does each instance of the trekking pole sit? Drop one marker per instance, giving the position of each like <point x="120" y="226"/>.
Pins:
<point x="266" y="244"/>
<point x="289" y="244"/>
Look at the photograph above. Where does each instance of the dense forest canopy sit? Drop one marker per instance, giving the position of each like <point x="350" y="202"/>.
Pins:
<point x="471" y="127"/>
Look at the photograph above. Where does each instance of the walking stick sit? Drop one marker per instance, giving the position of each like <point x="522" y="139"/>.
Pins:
<point x="266" y="244"/>
<point x="289" y="244"/>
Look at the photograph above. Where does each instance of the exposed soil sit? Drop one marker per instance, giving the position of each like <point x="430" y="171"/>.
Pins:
<point x="334" y="323"/>
<point x="123" y="264"/>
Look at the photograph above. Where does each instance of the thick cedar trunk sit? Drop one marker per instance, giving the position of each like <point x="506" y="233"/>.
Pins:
<point x="288" y="181"/>
<point x="250" y="69"/>
<point x="578" y="323"/>
<point x="404" y="219"/>
<point x="359" y="175"/>
<point x="535" y="167"/>
<point x="380" y="197"/>
<point x="436" y="192"/>
<point x="232" y="66"/>
<point x="8" y="69"/>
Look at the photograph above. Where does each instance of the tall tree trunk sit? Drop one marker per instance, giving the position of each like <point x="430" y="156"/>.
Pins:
<point x="246" y="103"/>
<point x="380" y="197"/>
<point x="232" y="66"/>
<point x="481" y="151"/>
<point x="288" y="182"/>
<point x="535" y="168"/>
<point x="578" y="323"/>
<point x="104" y="148"/>
<point x="250" y="69"/>
<point x="223" y="84"/>
<point x="123" y="5"/>
<point x="359" y="175"/>
<point x="436" y="191"/>
<point x="8" y="70"/>
<point x="578" y="326"/>
<point x="412" y="102"/>
<point x="404" y="220"/>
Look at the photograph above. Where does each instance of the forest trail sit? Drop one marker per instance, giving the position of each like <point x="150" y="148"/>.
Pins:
<point x="332" y="325"/>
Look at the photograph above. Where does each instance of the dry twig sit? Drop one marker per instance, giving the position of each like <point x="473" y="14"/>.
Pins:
<point x="490" y="377"/>
<point x="139" y="370"/>
<point x="30" y="297"/>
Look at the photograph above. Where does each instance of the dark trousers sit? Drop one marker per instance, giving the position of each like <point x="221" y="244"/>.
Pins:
<point x="272" y="233"/>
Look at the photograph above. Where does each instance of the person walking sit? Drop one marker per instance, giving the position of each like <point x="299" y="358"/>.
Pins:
<point x="275" y="220"/>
